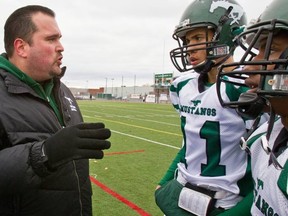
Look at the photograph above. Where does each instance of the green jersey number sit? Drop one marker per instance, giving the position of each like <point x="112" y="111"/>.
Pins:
<point x="210" y="131"/>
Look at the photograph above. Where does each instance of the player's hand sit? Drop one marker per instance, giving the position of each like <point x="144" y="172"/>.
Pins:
<point x="85" y="140"/>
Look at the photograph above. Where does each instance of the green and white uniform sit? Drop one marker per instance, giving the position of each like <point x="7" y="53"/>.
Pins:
<point x="270" y="184"/>
<point x="210" y="156"/>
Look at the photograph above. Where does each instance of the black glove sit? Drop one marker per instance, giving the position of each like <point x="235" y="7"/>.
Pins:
<point x="85" y="140"/>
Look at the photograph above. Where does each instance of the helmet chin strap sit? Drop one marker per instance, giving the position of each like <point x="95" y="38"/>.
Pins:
<point x="251" y="105"/>
<point x="265" y="141"/>
<point x="205" y="68"/>
<point x="207" y="65"/>
<point x="203" y="71"/>
<point x="271" y="123"/>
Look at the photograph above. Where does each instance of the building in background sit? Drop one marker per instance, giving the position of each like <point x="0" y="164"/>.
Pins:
<point x="156" y="93"/>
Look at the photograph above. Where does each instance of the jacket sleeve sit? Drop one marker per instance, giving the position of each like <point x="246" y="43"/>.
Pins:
<point x="16" y="171"/>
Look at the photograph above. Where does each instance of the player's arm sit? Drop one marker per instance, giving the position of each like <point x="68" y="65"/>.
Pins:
<point x="172" y="168"/>
<point x="242" y="208"/>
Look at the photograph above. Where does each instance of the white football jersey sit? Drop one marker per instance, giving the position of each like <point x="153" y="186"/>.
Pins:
<point x="211" y="136"/>
<point x="268" y="198"/>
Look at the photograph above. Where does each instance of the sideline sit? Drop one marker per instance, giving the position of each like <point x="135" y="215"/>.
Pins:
<point x="119" y="197"/>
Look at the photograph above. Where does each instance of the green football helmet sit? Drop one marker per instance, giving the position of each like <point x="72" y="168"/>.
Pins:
<point x="274" y="82"/>
<point x="224" y="17"/>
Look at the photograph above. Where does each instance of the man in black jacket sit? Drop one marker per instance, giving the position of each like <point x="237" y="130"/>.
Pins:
<point x="44" y="144"/>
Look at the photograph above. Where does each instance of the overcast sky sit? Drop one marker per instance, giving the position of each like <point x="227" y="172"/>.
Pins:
<point x="116" y="42"/>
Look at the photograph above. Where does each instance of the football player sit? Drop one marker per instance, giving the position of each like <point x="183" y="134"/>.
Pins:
<point x="210" y="174"/>
<point x="267" y="75"/>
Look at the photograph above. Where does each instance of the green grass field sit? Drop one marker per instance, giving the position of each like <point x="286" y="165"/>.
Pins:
<point x="145" y="139"/>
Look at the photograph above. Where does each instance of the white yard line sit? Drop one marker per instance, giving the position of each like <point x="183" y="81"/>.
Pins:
<point x="144" y="139"/>
<point x="135" y="118"/>
<point x="140" y="138"/>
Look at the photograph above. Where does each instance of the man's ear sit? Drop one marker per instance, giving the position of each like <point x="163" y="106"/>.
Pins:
<point x="20" y="47"/>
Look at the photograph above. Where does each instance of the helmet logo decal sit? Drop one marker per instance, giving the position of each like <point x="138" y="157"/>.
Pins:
<point x="236" y="13"/>
<point x="183" y="23"/>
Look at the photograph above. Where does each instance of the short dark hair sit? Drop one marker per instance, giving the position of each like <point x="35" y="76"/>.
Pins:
<point x="20" y="25"/>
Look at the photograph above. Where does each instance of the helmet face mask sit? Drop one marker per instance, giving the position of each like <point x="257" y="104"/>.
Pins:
<point x="273" y="71"/>
<point x="270" y="64"/>
<point x="223" y="17"/>
<point x="180" y="55"/>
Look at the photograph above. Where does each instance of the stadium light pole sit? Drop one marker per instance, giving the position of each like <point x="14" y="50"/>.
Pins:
<point x="122" y="88"/>
<point x="134" y="83"/>
<point x="105" y="86"/>
<point x="112" y="86"/>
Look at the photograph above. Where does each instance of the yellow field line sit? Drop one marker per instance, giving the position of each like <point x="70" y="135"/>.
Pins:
<point x="136" y="126"/>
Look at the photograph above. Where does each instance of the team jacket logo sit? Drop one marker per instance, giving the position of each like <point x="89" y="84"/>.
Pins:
<point x="72" y="107"/>
<point x="236" y="13"/>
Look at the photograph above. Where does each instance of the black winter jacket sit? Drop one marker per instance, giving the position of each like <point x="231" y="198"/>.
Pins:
<point x="26" y="122"/>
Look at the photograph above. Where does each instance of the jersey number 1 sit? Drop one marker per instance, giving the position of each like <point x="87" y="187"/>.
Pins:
<point x="210" y="131"/>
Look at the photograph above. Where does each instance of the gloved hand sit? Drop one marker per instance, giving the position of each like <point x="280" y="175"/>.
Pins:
<point x="85" y="140"/>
